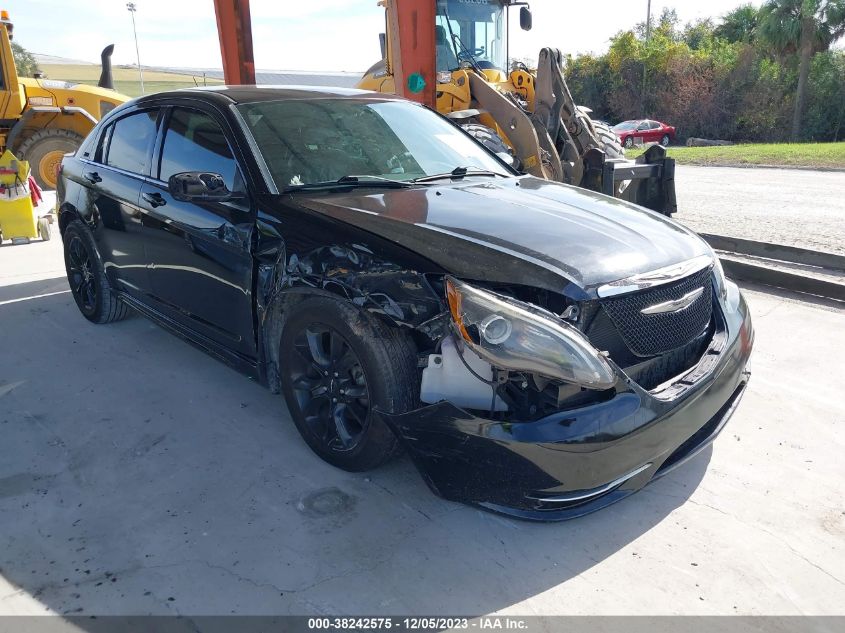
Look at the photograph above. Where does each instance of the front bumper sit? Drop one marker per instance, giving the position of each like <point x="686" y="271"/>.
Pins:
<point x="577" y="461"/>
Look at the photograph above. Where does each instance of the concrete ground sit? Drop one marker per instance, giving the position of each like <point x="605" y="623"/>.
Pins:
<point x="139" y="475"/>
<point x="786" y="206"/>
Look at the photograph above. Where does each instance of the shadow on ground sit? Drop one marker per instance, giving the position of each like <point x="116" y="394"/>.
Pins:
<point x="138" y="475"/>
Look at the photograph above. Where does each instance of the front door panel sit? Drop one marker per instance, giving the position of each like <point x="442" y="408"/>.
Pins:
<point x="201" y="265"/>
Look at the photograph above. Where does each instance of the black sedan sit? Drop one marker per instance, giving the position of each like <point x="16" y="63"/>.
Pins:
<point x="537" y="349"/>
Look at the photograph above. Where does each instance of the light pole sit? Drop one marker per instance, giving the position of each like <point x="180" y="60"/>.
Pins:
<point x="647" y="37"/>
<point x="131" y="8"/>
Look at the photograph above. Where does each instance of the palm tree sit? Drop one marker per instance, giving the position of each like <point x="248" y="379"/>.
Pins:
<point x="806" y="27"/>
<point x="739" y="25"/>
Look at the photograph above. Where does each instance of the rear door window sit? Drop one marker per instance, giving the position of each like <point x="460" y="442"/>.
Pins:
<point x="194" y="141"/>
<point x="131" y="141"/>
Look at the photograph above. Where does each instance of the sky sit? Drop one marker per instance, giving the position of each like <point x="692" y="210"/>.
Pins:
<point x="300" y="34"/>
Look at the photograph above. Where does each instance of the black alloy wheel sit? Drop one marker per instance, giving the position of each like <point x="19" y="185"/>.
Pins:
<point x="341" y="371"/>
<point x="330" y="387"/>
<point x="87" y="278"/>
<point x="83" y="283"/>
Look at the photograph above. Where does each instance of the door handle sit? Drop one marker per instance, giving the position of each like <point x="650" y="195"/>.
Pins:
<point x="154" y="199"/>
<point x="92" y="176"/>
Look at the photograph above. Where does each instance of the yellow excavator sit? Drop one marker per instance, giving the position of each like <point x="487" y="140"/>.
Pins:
<point x="452" y="55"/>
<point x="42" y="119"/>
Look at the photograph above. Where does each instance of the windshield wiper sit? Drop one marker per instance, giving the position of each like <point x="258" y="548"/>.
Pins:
<point x="457" y="173"/>
<point x="350" y="181"/>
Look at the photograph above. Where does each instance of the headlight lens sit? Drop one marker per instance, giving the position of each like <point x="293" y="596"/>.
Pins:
<point x="510" y="335"/>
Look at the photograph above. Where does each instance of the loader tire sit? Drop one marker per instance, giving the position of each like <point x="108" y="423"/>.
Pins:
<point x="609" y="141"/>
<point x="44" y="150"/>
<point x="488" y="137"/>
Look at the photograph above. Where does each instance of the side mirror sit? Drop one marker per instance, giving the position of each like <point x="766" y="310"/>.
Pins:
<point x="525" y="20"/>
<point x="199" y="186"/>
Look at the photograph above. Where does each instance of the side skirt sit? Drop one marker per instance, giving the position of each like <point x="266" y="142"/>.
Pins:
<point x="243" y="364"/>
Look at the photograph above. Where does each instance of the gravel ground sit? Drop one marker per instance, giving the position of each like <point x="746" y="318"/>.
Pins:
<point x="785" y="206"/>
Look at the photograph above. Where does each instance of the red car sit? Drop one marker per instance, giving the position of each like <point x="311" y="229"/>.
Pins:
<point x="644" y="131"/>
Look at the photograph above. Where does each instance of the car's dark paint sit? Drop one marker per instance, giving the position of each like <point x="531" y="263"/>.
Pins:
<point x="196" y="251"/>
<point x="539" y="233"/>
<point x="222" y="276"/>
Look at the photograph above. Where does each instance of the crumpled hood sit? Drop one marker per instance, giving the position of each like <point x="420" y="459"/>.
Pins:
<point x="519" y="230"/>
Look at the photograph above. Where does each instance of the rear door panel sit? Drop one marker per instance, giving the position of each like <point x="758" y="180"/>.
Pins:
<point x="112" y="180"/>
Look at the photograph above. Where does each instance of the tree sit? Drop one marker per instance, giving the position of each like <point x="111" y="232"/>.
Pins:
<point x="806" y="27"/>
<point x="24" y="60"/>
<point x="740" y="25"/>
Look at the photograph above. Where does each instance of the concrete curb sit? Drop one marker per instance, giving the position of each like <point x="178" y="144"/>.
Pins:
<point x="744" y="271"/>
<point x="779" y="252"/>
<point x="735" y="166"/>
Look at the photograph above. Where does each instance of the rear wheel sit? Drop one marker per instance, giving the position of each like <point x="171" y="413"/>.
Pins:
<point x="337" y="365"/>
<point x="88" y="283"/>
<point x="629" y="142"/>
<point x="44" y="150"/>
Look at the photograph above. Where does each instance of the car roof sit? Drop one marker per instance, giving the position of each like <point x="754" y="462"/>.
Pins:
<point x="250" y="94"/>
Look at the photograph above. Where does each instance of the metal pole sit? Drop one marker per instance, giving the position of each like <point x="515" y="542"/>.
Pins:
<point x="131" y="8"/>
<point x="647" y="38"/>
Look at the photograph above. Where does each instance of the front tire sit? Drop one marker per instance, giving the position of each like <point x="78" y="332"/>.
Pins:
<point x="88" y="283"/>
<point x="488" y="137"/>
<point x="665" y="140"/>
<point x="44" y="150"/>
<point x="629" y="142"/>
<point x="338" y="364"/>
<point x="609" y="141"/>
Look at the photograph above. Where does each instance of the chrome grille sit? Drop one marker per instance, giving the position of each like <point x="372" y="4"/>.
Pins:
<point x="653" y="334"/>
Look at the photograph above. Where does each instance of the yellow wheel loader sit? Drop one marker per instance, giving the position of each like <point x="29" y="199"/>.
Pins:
<point x="40" y="119"/>
<point x="453" y="55"/>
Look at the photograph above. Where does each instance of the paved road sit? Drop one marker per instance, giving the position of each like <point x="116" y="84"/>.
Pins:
<point x="139" y="475"/>
<point x="786" y="206"/>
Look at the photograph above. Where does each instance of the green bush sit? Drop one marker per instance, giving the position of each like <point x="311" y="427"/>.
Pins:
<point x="709" y="80"/>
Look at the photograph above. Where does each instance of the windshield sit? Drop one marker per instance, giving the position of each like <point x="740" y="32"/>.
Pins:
<point x="321" y="140"/>
<point x="625" y="125"/>
<point x="470" y="30"/>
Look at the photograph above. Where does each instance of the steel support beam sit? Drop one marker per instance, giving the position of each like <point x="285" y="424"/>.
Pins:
<point x="234" y="28"/>
<point x="411" y="24"/>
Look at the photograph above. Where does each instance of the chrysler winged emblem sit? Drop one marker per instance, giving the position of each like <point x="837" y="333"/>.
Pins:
<point x="674" y="305"/>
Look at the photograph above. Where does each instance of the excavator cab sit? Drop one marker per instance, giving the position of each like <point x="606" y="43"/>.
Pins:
<point x="469" y="33"/>
<point x="453" y="55"/>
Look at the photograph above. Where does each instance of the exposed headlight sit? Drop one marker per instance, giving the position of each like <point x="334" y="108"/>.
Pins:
<point x="509" y="334"/>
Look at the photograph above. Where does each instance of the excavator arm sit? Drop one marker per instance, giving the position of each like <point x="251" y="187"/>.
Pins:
<point x="649" y="181"/>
